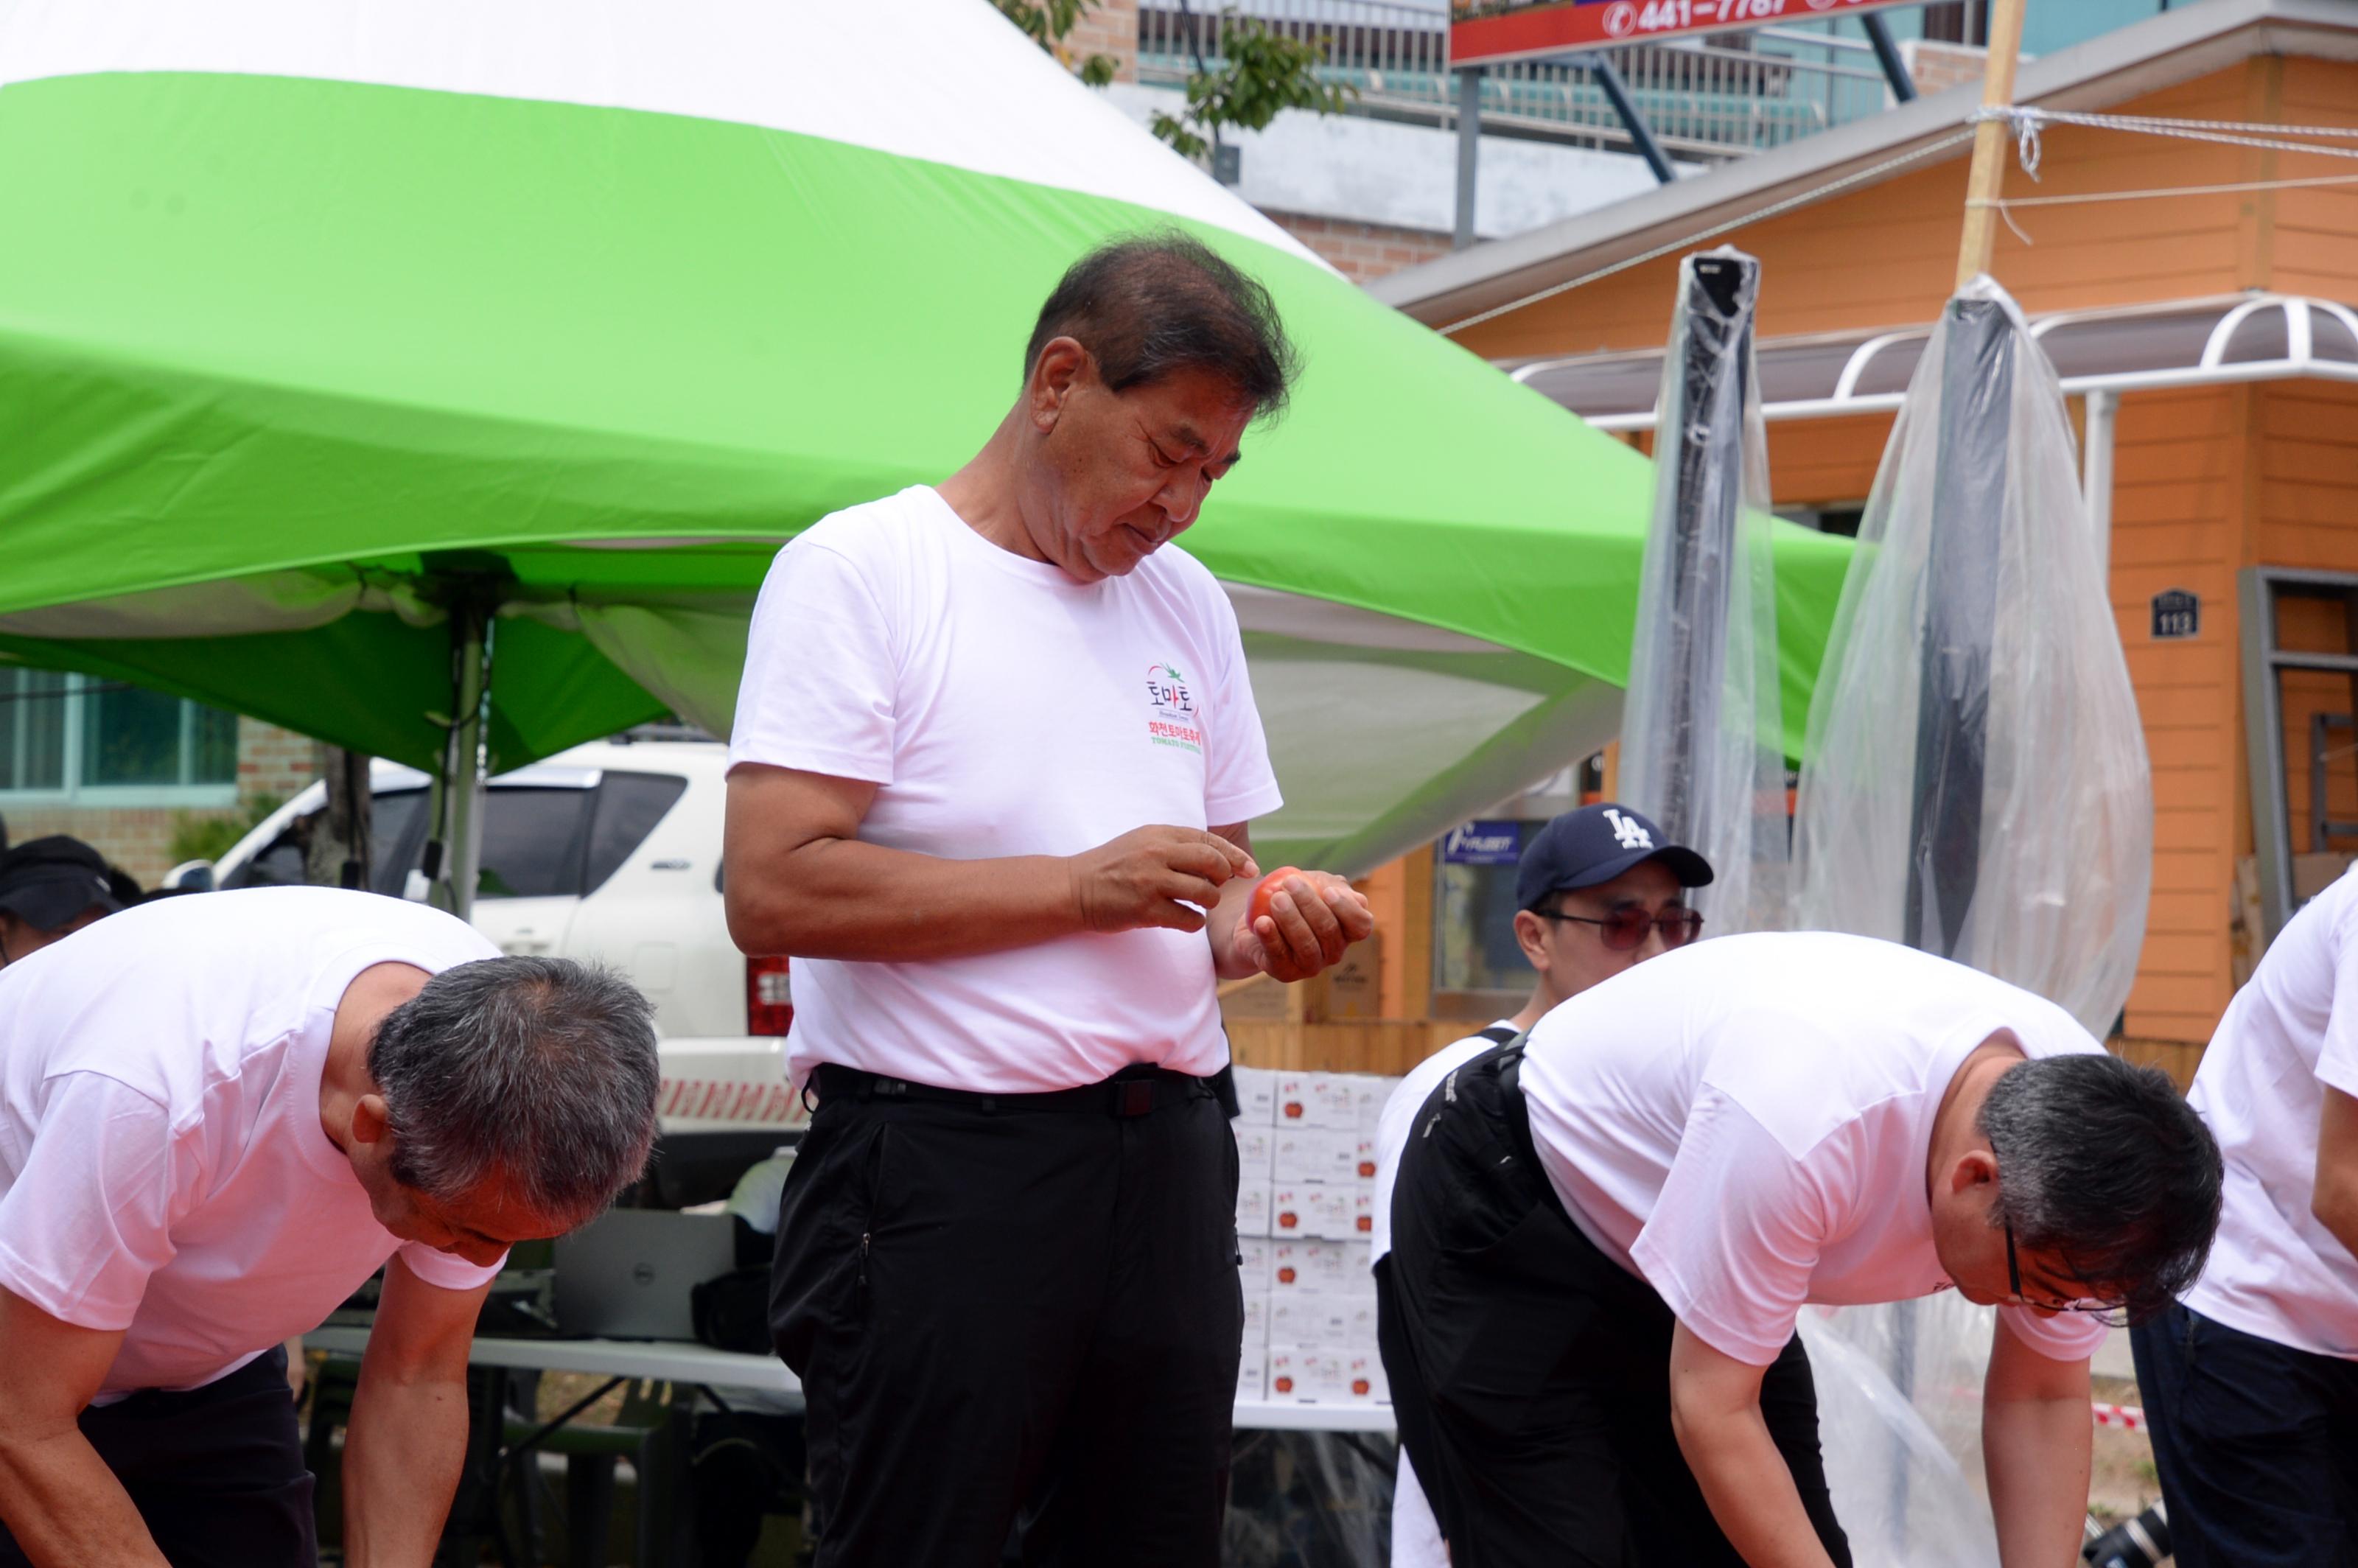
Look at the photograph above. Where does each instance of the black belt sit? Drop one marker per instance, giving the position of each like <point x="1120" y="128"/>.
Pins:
<point x="1134" y="1091"/>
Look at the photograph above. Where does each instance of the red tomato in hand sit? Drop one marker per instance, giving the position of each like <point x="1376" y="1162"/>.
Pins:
<point x="1265" y="891"/>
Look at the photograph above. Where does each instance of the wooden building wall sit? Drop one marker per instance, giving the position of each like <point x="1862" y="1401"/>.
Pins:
<point x="2206" y="481"/>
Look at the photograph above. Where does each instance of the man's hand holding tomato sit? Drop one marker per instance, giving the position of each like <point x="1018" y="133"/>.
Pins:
<point x="1289" y="924"/>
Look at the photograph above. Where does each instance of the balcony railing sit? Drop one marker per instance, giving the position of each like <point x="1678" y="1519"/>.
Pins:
<point x="1716" y="97"/>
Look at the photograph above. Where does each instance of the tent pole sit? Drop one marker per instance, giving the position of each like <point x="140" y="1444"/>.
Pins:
<point x="459" y="789"/>
<point x="1988" y="176"/>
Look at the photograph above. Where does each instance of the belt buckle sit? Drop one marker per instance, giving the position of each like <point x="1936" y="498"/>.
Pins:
<point x="1133" y="1097"/>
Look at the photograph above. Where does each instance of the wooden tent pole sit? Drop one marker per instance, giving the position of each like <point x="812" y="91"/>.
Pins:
<point x="1990" y="137"/>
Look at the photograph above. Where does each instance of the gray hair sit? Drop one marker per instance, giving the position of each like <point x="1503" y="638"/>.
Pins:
<point x="2105" y="1165"/>
<point x="537" y="1073"/>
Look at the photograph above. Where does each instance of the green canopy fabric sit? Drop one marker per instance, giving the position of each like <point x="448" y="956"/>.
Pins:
<point x="313" y="316"/>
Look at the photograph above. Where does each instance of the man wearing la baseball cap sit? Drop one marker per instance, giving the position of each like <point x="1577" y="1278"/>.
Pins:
<point x="1596" y="891"/>
<point x="50" y="889"/>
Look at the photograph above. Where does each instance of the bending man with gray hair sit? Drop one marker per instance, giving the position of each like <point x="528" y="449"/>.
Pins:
<point x="1605" y="1231"/>
<point x="219" y="1116"/>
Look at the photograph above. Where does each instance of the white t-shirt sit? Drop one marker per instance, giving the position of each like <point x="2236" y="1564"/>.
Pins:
<point x="1744" y="1124"/>
<point x="1399" y="1116"/>
<point x="1002" y="709"/>
<point x="2292" y="1032"/>
<point x="162" y="1166"/>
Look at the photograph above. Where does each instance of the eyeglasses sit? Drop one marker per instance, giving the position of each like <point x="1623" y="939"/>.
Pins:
<point x="2014" y="1286"/>
<point x="1626" y="927"/>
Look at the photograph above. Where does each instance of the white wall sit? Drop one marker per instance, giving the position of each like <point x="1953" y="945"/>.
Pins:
<point x="1379" y="171"/>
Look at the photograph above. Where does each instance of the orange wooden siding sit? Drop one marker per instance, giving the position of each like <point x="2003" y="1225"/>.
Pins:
<point x="2207" y="481"/>
<point x="1885" y="254"/>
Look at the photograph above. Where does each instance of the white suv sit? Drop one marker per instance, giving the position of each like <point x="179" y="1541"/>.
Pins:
<point x="609" y="851"/>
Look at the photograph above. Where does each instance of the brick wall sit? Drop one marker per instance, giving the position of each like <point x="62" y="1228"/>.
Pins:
<point x="1363" y="251"/>
<point x="1108" y="26"/>
<point x="272" y="763"/>
<point x="1937" y="67"/>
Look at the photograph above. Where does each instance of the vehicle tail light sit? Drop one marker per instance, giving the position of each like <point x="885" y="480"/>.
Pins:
<point x="769" y="997"/>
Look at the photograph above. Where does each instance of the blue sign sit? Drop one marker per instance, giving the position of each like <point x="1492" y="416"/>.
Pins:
<point x="1484" y="844"/>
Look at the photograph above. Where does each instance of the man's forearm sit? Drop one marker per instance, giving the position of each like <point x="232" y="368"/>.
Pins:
<point x="1749" y="1487"/>
<point x="843" y="898"/>
<point x="2036" y="1451"/>
<point x="403" y="1450"/>
<point x="66" y="1509"/>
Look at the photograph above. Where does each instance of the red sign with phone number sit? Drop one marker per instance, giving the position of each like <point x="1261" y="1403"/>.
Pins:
<point x="1553" y="27"/>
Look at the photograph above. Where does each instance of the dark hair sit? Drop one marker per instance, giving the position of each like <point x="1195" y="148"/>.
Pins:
<point x="1148" y="305"/>
<point x="538" y="1073"/>
<point x="2105" y="1165"/>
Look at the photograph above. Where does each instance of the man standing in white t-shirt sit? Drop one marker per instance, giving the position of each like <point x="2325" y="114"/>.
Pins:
<point x="219" y="1116"/>
<point x="2251" y="1381"/>
<point x="1596" y="891"/>
<point x="1603" y="1235"/>
<point x="995" y="760"/>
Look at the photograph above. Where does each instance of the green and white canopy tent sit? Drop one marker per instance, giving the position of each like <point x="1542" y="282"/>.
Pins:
<point x="334" y="333"/>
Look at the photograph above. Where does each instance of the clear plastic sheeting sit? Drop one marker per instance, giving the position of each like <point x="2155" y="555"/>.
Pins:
<point x="1975" y="782"/>
<point x="1904" y="1464"/>
<point x="1309" y="1499"/>
<point x="1702" y="736"/>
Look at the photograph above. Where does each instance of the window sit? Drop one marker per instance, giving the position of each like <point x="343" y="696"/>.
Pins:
<point x="532" y="843"/>
<point x="105" y="743"/>
<point x="628" y="806"/>
<point x="1477" y="966"/>
<point x="397" y="832"/>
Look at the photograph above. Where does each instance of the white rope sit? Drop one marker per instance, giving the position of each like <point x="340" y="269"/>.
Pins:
<point x="2026" y="121"/>
<point x="1771" y="210"/>
<point x="2229" y="187"/>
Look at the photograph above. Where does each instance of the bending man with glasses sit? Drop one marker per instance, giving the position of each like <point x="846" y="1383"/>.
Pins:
<point x="1597" y="890"/>
<point x="1604" y="1232"/>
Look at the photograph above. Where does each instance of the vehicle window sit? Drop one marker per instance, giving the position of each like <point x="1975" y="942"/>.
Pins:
<point x="397" y="821"/>
<point x="397" y="832"/>
<point x="280" y="865"/>
<point x="532" y="842"/>
<point x="628" y="806"/>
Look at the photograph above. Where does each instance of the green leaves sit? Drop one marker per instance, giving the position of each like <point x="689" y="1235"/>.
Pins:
<point x="1259" y="75"/>
<point x="1047" y="23"/>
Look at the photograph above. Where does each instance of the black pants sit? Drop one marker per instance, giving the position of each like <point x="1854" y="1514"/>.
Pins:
<point x="217" y="1471"/>
<point x="1531" y="1373"/>
<point x="2257" y="1444"/>
<point x="1024" y="1312"/>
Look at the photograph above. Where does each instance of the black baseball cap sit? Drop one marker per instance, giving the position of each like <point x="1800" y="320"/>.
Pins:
<point x="46" y="883"/>
<point x="1595" y="843"/>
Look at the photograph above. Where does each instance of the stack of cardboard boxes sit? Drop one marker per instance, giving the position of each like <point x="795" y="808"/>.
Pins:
<point x="1306" y="1143"/>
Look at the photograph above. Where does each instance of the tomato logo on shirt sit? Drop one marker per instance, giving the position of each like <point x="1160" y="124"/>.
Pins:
<point x="1171" y="716"/>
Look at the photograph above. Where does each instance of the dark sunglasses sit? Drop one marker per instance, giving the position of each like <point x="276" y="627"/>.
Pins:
<point x="1625" y="928"/>
<point x="2014" y="1284"/>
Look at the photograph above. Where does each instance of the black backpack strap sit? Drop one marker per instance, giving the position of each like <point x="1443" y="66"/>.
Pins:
<point x="1499" y="1033"/>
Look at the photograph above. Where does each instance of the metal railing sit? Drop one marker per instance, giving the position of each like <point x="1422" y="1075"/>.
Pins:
<point x="1716" y="97"/>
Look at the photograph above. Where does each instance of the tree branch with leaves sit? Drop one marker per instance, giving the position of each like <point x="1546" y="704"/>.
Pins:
<point x="1048" y="23"/>
<point x="1259" y="75"/>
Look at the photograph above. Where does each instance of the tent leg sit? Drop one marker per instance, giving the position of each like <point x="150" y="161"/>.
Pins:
<point x="458" y="800"/>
